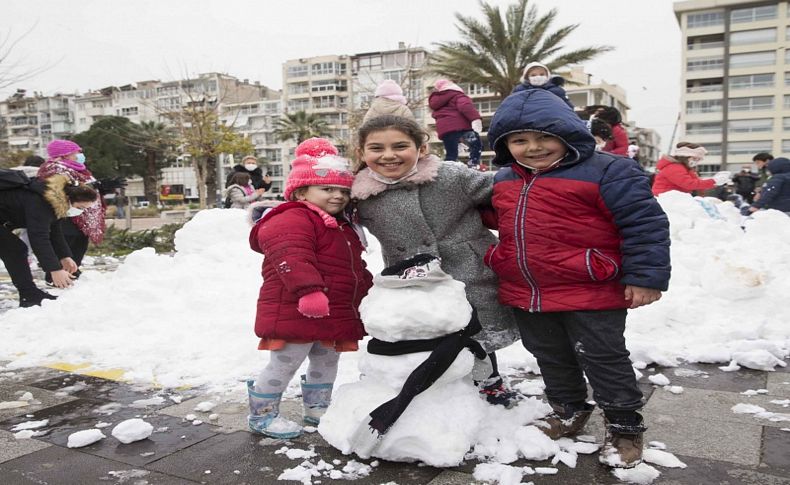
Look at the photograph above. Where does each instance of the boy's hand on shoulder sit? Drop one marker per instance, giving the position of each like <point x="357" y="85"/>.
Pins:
<point x="640" y="296"/>
<point x="314" y="305"/>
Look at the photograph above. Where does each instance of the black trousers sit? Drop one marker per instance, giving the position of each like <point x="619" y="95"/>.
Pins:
<point x="568" y="345"/>
<point x="13" y="252"/>
<point x="76" y="240"/>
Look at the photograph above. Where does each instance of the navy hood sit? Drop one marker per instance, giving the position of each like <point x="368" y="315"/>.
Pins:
<point x="779" y="165"/>
<point x="538" y="110"/>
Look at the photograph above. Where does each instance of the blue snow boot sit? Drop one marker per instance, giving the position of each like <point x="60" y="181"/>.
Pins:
<point x="316" y="398"/>
<point x="264" y="417"/>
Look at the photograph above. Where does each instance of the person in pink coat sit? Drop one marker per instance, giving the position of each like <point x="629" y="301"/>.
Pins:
<point x="676" y="172"/>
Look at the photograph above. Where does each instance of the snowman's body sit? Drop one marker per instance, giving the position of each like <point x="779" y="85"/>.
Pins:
<point x="441" y="423"/>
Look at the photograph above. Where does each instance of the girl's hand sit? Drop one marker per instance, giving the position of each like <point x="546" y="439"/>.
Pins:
<point x="314" y="305"/>
<point x="640" y="296"/>
<point x="69" y="265"/>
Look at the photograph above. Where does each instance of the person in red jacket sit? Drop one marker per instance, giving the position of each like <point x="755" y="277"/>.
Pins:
<point x="314" y="279"/>
<point x="618" y="143"/>
<point x="457" y="120"/>
<point x="677" y="172"/>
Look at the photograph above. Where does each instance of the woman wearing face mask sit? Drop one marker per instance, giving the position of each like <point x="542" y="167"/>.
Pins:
<point x="249" y="165"/>
<point x="66" y="158"/>
<point x="37" y="208"/>
<point x="538" y="76"/>
<point x="677" y="172"/>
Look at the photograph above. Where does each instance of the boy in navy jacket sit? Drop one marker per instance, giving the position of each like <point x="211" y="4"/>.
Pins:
<point x="581" y="240"/>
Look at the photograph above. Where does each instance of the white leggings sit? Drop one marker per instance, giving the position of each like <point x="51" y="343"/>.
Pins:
<point x="283" y="364"/>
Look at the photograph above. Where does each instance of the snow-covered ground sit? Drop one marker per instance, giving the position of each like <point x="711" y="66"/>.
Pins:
<point x="187" y="319"/>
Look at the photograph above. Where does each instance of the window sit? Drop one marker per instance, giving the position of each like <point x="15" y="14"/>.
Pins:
<point x="752" y="81"/>
<point x="751" y="104"/>
<point x="395" y="60"/>
<point x="487" y="106"/>
<point x="748" y="147"/>
<point x="708" y="168"/>
<point x="705" y="19"/>
<point x="704" y="63"/>
<point x="477" y="89"/>
<point x="271" y="108"/>
<point x="785" y="146"/>
<point x="714" y="149"/>
<point x="273" y="154"/>
<point x="704" y="85"/>
<point x="787" y="56"/>
<point x="785" y="124"/>
<point x="324" y="102"/>
<point x="751" y="126"/>
<point x="369" y="63"/>
<point x="704" y="106"/>
<point x="705" y="42"/>
<point x="753" y="36"/>
<point x="322" y="68"/>
<point x="276" y="170"/>
<point x="300" y="70"/>
<point x="786" y="103"/>
<point x="712" y="128"/>
<point x="97" y="104"/>
<point x="298" y="88"/>
<point x="753" y="14"/>
<point x="396" y="76"/>
<point x="749" y="59"/>
<point x="787" y="31"/>
<point x="132" y="111"/>
<point x="298" y="105"/>
<point x="329" y="85"/>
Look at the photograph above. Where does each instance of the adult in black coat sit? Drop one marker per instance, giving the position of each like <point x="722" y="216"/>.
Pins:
<point x="249" y="165"/>
<point x="37" y="207"/>
<point x="745" y="182"/>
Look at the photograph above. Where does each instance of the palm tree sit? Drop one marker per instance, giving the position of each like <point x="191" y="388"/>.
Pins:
<point x="300" y="126"/>
<point x="494" y="52"/>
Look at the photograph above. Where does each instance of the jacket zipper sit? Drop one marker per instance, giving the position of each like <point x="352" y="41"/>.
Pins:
<point x="521" y="245"/>
<point x="353" y="272"/>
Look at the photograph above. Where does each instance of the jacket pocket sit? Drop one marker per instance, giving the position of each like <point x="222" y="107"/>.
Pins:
<point x="600" y="267"/>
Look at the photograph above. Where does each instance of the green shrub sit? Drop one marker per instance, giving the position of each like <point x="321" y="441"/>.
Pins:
<point x="120" y="242"/>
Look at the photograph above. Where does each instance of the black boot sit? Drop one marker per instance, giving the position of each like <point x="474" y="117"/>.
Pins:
<point x="33" y="297"/>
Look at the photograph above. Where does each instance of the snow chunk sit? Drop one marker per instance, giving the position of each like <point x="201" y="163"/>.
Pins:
<point x="84" y="438"/>
<point x="205" y="406"/>
<point x="144" y="403"/>
<point x="662" y="458"/>
<point x="534" y="445"/>
<point x="498" y="473"/>
<point x="13" y="404"/>
<point x="759" y="359"/>
<point x="295" y="453"/>
<point x="659" y="379"/>
<point x="640" y="474"/>
<point x="674" y="389"/>
<point x="585" y="448"/>
<point x="752" y="392"/>
<point x="30" y="425"/>
<point x="743" y="408"/>
<point x="543" y="470"/>
<point x="132" y="430"/>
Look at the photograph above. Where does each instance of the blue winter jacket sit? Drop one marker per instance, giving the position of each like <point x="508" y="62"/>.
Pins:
<point x="553" y="85"/>
<point x="573" y="235"/>
<point x="775" y="193"/>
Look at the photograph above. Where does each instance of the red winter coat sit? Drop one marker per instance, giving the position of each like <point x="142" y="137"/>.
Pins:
<point x="675" y="176"/>
<point x="452" y="110"/>
<point x="306" y="250"/>
<point x="618" y="145"/>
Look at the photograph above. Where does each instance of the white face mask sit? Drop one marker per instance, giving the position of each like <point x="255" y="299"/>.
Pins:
<point x="538" y="80"/>
<point x="74" y="211"/>
<point x="250" y="167"/>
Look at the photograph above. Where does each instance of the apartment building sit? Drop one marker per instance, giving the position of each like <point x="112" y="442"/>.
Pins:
<point x="735" y="79"/>
<point x="29" y="123"/>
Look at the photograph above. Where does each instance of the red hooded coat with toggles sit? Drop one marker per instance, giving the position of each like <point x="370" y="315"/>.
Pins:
<point x="307" y="250"/>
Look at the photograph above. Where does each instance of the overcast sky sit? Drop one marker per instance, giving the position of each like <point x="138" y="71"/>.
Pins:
<point x="91" y="44"/>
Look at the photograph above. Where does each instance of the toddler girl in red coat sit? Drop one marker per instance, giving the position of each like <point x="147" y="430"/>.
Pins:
<point x="313" y="281"/>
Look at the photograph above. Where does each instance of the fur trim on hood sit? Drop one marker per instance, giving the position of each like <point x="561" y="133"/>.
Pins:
<point x="366" y="186"/>
<point x="56" y="196"/>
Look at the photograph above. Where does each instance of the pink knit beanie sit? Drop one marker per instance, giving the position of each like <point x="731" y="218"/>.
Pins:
<point x="60" y="148"/>
<point x="446" y="85"/>
<point x="389" y="89"/>
<point x="317" y="163"/>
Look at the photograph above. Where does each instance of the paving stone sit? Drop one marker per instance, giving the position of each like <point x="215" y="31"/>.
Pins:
<point x="11" y="447"/>
<point x="776" y="449"/>
<point x="61" y="466"/>
<point x="26" y="375"/>
<point x="83" y="414"/>
<point x="701" y="471"/>
<point x="41" y="399"/>
<point x="711" y="377"/>
<point x="778" y="385"/>
<point x="710" y="405"/>
<point x="98" y="389"/>
<point x="713" y="439"/>
<point x="241" y="452"/>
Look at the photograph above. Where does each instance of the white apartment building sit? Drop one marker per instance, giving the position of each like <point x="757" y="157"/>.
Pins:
<point x="29" y="123"/>
<point x="735" y="79"/>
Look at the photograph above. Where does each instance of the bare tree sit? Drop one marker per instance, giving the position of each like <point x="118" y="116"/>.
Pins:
<point x="15" y="70"/>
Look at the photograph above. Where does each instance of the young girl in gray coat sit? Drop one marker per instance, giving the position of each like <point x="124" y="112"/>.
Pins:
<point x="415" y="203"/>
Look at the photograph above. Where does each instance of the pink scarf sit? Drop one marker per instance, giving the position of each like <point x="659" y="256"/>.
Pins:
<point x="248" y="189"/>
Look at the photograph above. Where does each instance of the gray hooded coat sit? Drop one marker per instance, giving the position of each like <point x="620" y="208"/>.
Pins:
<point x="435" y="211"/>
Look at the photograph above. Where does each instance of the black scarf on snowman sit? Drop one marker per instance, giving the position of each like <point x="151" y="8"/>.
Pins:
<point x="418" y="271"/>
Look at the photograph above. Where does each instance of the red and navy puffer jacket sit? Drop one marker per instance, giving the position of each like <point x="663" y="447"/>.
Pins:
<point x="307" y="250"/>
<point x="571" y="237"/>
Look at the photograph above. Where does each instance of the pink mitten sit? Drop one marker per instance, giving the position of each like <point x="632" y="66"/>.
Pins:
<point x="314" y="305"/>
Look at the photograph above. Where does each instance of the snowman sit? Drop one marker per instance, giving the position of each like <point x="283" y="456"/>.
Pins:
<point x="415" y="400"/>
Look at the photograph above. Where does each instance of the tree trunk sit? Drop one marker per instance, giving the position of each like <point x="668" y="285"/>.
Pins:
<point x="211" y="180"/>
<point x="200" y="175"/>
<point x="150" y="179"/>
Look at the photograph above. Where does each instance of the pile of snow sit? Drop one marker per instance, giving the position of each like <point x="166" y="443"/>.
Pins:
<point x="187" y="320"/>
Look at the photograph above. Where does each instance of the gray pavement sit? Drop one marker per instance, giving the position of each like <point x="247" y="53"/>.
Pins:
<point x="698" y="426"/>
